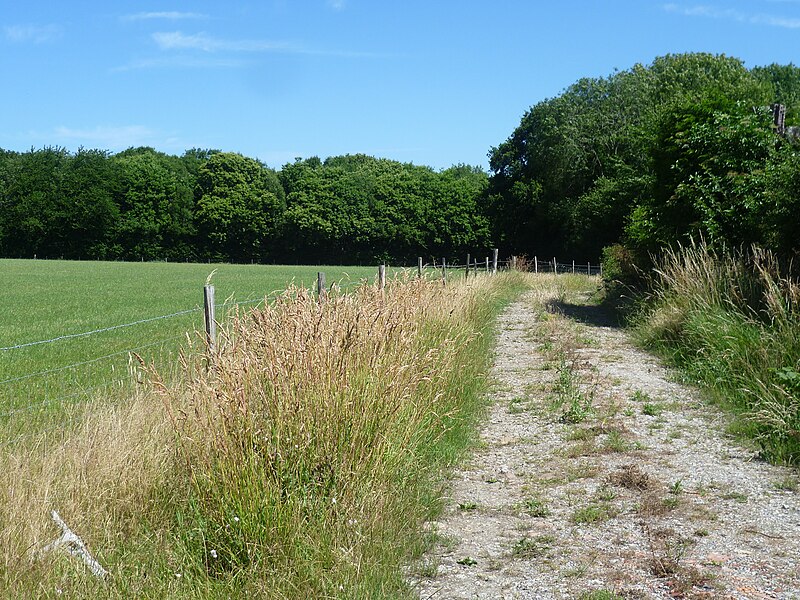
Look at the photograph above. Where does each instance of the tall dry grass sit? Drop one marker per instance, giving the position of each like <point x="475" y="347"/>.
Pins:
<point x="732" y="321"/>
<point x="300" y="461"/>
<point x="100" y="477"/>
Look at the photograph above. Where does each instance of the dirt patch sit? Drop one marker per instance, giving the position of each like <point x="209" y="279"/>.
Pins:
<point x="599" y="476"/>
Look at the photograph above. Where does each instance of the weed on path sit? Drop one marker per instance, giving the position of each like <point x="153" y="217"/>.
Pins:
<point x="598" y="476"/>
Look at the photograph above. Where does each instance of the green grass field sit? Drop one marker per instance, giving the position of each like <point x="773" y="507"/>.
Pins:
<point x="45" y="385"/>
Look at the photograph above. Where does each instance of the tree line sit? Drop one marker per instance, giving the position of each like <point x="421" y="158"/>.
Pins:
<point x="141" y="204"/>
<point x="645" y="158"/>
<point x="683" y="148"/>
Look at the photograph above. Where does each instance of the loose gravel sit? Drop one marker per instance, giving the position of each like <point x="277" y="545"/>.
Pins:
<point x="637" y="492"/>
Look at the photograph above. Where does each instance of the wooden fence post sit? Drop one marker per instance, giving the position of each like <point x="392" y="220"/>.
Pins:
<point x="208" y="314"/>
<point x="381" y="276"/>
<point x="535" y="264"/>
<point x="555" y="266"/>
<point x="513" y="263"/>
<point x="321" y="287"/>
<point x="487" y="266"/>
<point x="589" y="268"/>
<point x="444" y="271"/>
<point x="467" y="270"/>
<point x="419" y="267"/>
<point x="495" y="253"/>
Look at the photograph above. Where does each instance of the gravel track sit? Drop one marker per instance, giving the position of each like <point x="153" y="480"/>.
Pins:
<point x="644" y="496"/>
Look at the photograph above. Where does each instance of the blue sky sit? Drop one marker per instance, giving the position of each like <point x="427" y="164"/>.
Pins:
<point x="434" y="82"/>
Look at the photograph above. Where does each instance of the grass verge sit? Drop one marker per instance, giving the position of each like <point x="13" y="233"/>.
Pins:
<point x="732" y="323"/>
<point x="301" y="464"/>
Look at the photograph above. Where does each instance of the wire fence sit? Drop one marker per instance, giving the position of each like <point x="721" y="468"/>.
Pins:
<point x="48" y="393"/>
<point x="533" y="265"/>
<point x="44" y="394"/>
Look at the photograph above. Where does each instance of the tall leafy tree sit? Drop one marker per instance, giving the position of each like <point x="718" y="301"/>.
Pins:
<point x="709" y="163"/>
<point x="86" y="209"/>
<point x="156" y="202"/>
<point x="239" y="208"/>
<point x="576" y="167"/>
<point x="33" y="196"/>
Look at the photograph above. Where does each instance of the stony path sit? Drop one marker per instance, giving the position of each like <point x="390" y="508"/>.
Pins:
<point x="600" y="477"/>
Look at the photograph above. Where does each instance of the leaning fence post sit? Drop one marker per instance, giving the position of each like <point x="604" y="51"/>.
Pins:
<point x="419" y="267"/>
<point x="208" y="313"/>
<point x="495" y="253"/>
<point x="321" y="287"/>
<point x="381" y="276"/>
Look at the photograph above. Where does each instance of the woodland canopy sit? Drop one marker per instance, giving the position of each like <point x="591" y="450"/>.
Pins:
<point x="642" y="159"/>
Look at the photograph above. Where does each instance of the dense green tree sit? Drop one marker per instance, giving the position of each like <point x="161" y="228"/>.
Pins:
<point x="784" y="82"/>
<point x="239" y="208"/>
<point x="577" y="166"/>
<point x="31" y="196"/>
<point x="709" y="164"/>
<point x="156" y="202"/>
<point x="86" y="210"/>
<point x="362" y="209"/>
<point x="781" y="218"/>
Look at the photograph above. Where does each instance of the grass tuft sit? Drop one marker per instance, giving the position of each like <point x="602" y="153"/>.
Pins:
<point x="730" y="322"/>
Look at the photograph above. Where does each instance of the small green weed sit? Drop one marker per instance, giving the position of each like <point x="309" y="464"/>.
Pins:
<point x="652" y="409"/>
<point x="536" y="508"/>
<point x="616" y="442"/>
<point x="735" y="496"/>
<point x="533" y="547"/>
<point x="787" y="484"/>
<point x="594" y="513"/>
<point x="605" y="494"/>
<point x="517" y="405"/>
<point x="640" y="396"/>
<point x="600" y="595"/>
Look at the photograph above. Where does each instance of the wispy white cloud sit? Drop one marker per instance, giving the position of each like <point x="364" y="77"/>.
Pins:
<point x="166" y="15"/>
<point x="176" y="40"/>
<point x="785" y="22"/>
<point x="35" y="34"/>
<point x="181" y="62"/>
<point x="337" y="4"/>
<point x="107" y="137"/>
<point x="713" y="12"/>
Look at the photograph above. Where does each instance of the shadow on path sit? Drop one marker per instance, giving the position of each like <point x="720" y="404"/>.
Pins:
<point x="597" y="316"/>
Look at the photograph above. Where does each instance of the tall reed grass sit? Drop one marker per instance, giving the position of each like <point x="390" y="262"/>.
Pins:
<point x="731" y="320"/>
<point x="299" y="461"/>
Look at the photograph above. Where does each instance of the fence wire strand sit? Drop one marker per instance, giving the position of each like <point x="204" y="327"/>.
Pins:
<point x="93" y="360"/>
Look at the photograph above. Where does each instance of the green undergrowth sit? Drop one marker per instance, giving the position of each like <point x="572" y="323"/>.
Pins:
<point x="299" y="462"/>
<point x="732" y="324"/>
